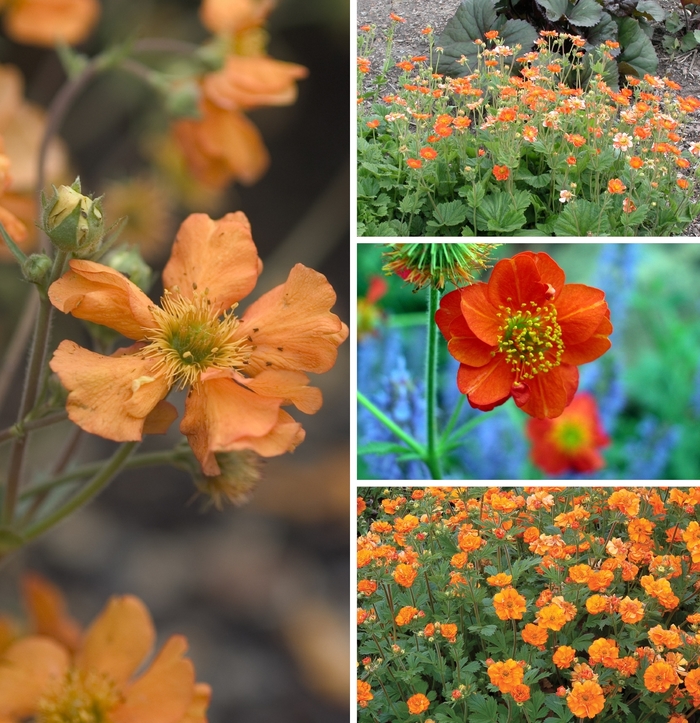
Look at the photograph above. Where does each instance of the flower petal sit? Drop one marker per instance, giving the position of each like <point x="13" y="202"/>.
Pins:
<point x="480" y="313"/>
<point x="292" y="387"/>
<point x="594" y="347"/>
<point x="197" y="712"/>
<point x="580" y="310"/>
<point x="292" y="326"/>
<point x="487" y="386"/>
<point x="285" y="436"/>
<point x="100" y="294"/>
<point x="516" y="281"/>
<point x="551" y="392"/>
<point x="163" y="694"/>
<point x="118" y="640"/>
<point x="159" y="420"/>
<point x="48" y="22"/>
<point x="216" y="255"/>
<point x="110" y="396"/>
<point x="550" y="272"/>
<point x="221" y="416"/>
<point x="27" y="668"/>
<point x="462" y="343"/>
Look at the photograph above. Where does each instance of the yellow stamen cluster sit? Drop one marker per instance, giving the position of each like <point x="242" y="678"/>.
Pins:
<point x="571" y="436"/>
<point x="530" y="337"/>
<point x="191" y="336"/>
<point x="79" y="698"/>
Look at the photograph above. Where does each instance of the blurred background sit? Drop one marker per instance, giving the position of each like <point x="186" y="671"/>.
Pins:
<point x="647" y="387"/>
<point x="261" y="591"/>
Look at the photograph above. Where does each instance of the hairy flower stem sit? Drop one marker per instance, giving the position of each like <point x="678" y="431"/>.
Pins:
<point x="21" y="428"/>
<point x="107" y="472"/>
<point x="391" y="425"/>
<point x="432" y="453"/>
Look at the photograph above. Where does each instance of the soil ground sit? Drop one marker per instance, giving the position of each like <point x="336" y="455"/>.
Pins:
<point x="683" y="68"/>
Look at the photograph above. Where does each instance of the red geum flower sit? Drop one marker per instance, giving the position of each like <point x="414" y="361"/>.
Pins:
<point x="523" y="334"/>
<point x="571" y="441"/>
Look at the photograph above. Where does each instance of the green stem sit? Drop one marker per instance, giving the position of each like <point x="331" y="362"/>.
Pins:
<point x="433" y="456"/>
<point x="391" y="425"/>
<point x="21" y="428"/>
<point x="94" y="487"/>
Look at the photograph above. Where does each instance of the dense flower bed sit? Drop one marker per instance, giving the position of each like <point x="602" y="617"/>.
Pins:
<point x="529" y="604"/>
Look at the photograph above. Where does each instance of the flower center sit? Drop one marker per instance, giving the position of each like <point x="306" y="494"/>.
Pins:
<point x="570" y="436"/>
<point x="530" y="337"/>
<point x="191" y="336"/>
<point x="79" y="698"/>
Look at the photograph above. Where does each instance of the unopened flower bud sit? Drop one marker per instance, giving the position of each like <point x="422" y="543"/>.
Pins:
<point x="72" y="221"/>
<point x="36" y="268"/>
<point x="240" y="473"/>
<point x="128" y="261"/>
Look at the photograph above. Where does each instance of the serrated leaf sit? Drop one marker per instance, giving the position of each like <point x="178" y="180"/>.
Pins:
<point x="638" y="56"/>
<point x="483" y="707"/>
<point x="554" y="9"/>
<point x="585" y="13"/>
<point x="498" y="214"/>
<point x="540" y="181"/>
<point x="605" y="29"/>
<point x="471" y="21"/>
<point x="582" y="218"/>
<point x="450" y="213"/>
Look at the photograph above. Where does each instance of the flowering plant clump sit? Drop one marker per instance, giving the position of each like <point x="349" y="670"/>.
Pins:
<point x="528" y="604"/>
<point x="556" y="148"/>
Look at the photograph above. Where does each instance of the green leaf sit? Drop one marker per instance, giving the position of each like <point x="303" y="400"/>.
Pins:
<point x="638" y="56"/>
<point x="582" y="218"/>
<point x="483" y="707"/>
<point x="605" y="29"/>
<point x="382" y="448"/>
<point x="554" y="9"/>
<point x="585" y="13"/>
<point x="9" y="539"/>
<point x="688" y="42"/>
<point x="471" y="21"/>
<point x="499" y="213"/>
<point x="450" y="213"/>
<point x="540" y="181"/>
<point x="652" y="9"/>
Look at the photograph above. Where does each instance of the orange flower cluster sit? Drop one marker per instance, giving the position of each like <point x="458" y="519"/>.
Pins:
<point x="47" y="22"/>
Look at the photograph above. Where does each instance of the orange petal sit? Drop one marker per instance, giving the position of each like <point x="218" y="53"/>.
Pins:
<point x="480" y="314"/>
<point x="98" y="293"/>
<point x="216" y="255"/>
<point x="580" y="310"/>
<point x="550" y="393"/>
<point x="516" y="281"/>
<point x="27" y="669"/>
<point x="47" y="611"/>
<point x="110" y="396"/>
<point x="488" y="386"/>
<point x="221" y="416"/>
<point x="164" y="693"/>
<point x="16" y="230"/>
<point x="47" y="22"/>
<point x="550" y="271"/>
<point x="159" y="420"/>
<point x="595" y="346"/>
<point x="292" y="326"/>
<point x="207" y="169"/>
<point x="448" y="312"/>
<point x="228" y="17"/>
<point x="197" y="712"/>
<point x="462" y="343"/>
<point x="119" y="640"/>
<point x="292" y="387"/>
<point x="285" y="436"/>
<point x="247" y="82"/>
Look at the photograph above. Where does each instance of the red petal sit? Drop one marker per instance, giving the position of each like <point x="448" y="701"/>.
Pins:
<point x="550" y="272"/>
<point x="580" y="310"/>
<point x="592" y="348"/>
<point x="448" y="312"/>
<point x="516" y="281"/>
<point x="487" y="386"/>
<point x="480" y="314"/>
<point x="551" y="392"/>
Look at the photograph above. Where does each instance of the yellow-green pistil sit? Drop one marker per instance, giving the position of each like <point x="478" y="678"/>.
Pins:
<point x="530" y="337"/>
<point x="192" y="336"/>
<point x="79" y="698"/>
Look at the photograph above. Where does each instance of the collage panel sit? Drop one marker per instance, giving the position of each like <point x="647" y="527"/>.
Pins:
<point x="524" y="604"/>
<point x="527" y="361"/>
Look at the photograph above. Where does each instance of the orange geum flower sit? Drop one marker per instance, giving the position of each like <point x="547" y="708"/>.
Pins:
<point x="603" y="650"/>
<point x="500" y="580"/>
<point x="692" y="682"/>
<point x="501" y="173"/>
<point x="564" y="656"/>
<point x="631" y="611"/>
<point x="417" y="703"/>
<point x="406" y="524"/>
<point x="449" y="632"/>
<point x="523" y="335"/>
<point x="405" y="615"/>
<point x="534" y="635"/>
<point x="240" y="371"/>
<point x="659" y="677"/>
<point x="596" y="604"/>
<point x="366" y="587"/>
<point x="39" y="677"/>
<point x="600" y="579"/>
<point x="364" y="693"/>
<point x="586" y="699"/>
<point x="48" y="22"/>
<point x="405" y="575"/>
<point x="520" y="693"/>
<point x="230" y="17"/>
<point x="551" y="617"/>
<point x="509" y="604"/>
<point x="615" y="185"/>
<point x="506" y="675"/>
<point x="580" y="573"/>
<point x="664" y="638"/>
<point x="624" y="501"/>
<point x="428" y="153"/>
<point x="626" y="666"/>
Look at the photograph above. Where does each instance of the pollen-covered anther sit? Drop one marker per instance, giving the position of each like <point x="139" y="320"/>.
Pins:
<point x="192" y="336"/>
<point x="531" y="339"/>
<point x="79" y="698"/>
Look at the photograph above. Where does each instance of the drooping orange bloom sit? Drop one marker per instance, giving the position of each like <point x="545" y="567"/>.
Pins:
<point x="523" y="335"/>
<point x="364" y="693"/>
<point x="509" y="604"/>
<point x="586" y="699"/>
<point x="39" y="677"/>
<point x="405" y="615"/>
<point x="405" y="575"/>
<point x="534" y="634"/>
<point x="240" y="371"/>
<point x="506" y="675"/>
<point x="418" y="704"/>
<point x="563" y="656"/>
<point x="571" y="442"/>
<point x="48" y="22"/>
<point x="659" y="677"/>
